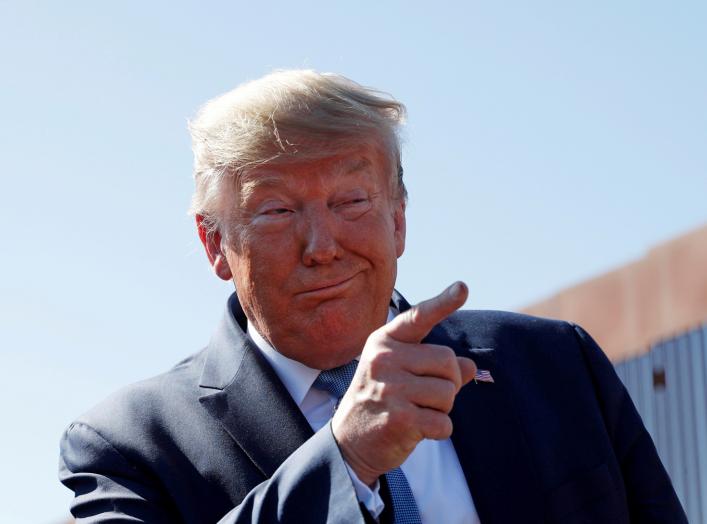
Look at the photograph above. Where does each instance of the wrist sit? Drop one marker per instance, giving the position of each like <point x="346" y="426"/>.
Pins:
<point x="353" y="458"/>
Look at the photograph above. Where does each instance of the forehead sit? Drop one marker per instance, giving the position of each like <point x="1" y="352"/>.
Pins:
<point x="348" y="166"/>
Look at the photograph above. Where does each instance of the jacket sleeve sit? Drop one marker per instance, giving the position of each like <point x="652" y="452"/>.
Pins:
<point x="650" y="494"/>
<point x="312" y="485"/>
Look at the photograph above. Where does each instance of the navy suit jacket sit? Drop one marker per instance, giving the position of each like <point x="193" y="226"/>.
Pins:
<point x="555" y="438"/>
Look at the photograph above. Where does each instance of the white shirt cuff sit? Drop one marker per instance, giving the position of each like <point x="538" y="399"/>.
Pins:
<point x="370" y="498"/>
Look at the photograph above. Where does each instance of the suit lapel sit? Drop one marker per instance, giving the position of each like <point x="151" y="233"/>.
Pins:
<point x="487" y="436"/>
<point x="247" y="398"/>
<point x="491" y="448"/>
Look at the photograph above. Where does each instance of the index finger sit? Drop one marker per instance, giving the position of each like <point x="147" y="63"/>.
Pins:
<point x="414" y="324"/>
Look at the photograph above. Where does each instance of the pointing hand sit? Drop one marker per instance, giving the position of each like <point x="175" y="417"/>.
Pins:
<point x="403" y="389"/>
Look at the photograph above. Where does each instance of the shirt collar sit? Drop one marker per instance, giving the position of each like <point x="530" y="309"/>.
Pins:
<point x="296" y="377"/>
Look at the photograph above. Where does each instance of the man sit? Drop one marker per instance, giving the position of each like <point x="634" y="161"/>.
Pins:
<point x="300" y="202"/>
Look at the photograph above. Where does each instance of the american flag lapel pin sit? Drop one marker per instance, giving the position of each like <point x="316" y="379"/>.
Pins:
<point x="483" y="375"/>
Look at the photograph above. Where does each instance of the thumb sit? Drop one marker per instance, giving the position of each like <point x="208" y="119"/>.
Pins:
<point x="414" y="324"/>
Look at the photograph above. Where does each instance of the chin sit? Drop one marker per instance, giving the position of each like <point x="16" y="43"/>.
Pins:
<point x="330" y="334"/>
<point x="337" y="342"/>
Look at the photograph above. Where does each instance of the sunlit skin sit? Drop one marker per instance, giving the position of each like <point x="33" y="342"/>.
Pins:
<point x="312" y="249"/>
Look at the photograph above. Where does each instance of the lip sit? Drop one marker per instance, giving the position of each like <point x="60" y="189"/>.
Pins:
<point x="331" y="287"/>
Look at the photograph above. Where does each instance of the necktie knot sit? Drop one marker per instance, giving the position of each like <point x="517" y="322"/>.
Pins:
<point x="336" y="380"/>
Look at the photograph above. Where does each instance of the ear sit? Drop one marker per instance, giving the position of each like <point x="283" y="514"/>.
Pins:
<point x="399" y="223"/>
<point x="211" y="241"/>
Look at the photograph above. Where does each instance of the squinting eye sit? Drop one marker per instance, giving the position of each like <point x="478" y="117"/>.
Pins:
<point x="277" y="211"/>
<point x="355" y="201"/>
<point x="353" y="208"/>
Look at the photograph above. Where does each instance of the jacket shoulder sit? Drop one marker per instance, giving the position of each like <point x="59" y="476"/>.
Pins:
<point x="498" y="327"/>
<point x="148" y="407"/>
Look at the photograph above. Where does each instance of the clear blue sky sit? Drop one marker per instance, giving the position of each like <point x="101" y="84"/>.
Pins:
<point x="547" y="142"/>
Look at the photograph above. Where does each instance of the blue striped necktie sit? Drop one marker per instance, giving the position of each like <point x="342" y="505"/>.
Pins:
<point x="336" y="381"/>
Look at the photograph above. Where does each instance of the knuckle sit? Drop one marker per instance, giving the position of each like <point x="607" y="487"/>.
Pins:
<point x="449" y="391"/>
<point x="446" y="428"/>
<point x="376" y="339"/>
<point x="444" y="397"/>
<point x="386" y="390"/>
<point x="402" y="419"/>
<point x="449" y="405"/>
<point x="441" y="428"/>
<point x="380" y="360"/>
<point x="444" y="359"/>
<point x="447" y="356"/>
<point x="385" y="420"/>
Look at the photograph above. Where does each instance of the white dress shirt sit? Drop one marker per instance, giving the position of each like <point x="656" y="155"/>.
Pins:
<point x="432" y="469"/>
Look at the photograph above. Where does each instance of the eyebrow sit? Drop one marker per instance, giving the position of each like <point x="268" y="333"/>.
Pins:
<point x="250" y="182"/>
<point x="357" y="165"/>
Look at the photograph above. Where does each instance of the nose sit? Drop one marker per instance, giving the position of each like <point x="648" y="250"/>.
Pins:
<point x="320" y="241"/>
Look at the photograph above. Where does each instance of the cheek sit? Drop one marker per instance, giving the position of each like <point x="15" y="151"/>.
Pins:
<point x="376" y="239"/>
<point x="262" y="266"/>
<point x="256" y="252"/>
<point x="243" y="261"/>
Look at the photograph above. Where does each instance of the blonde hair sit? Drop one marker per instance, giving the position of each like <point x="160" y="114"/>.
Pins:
<point x="287" y="117"/>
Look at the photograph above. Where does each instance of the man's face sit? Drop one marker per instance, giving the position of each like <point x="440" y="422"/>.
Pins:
<point x="313" y="252"/>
